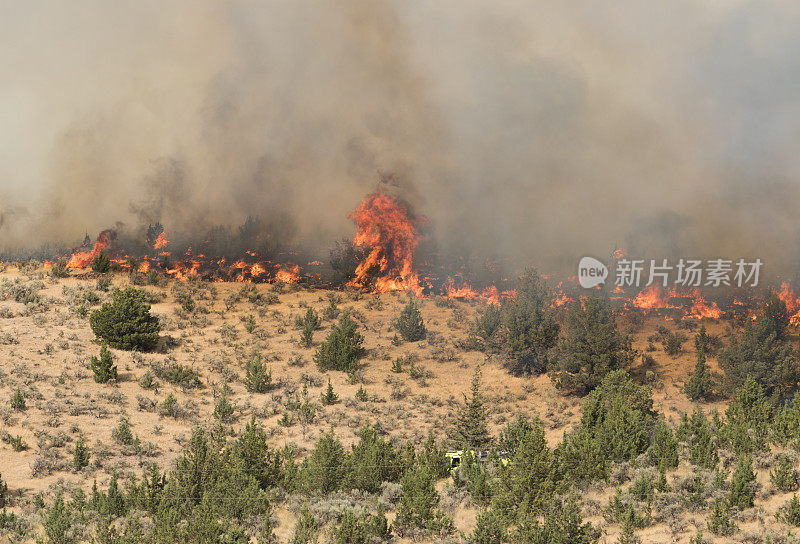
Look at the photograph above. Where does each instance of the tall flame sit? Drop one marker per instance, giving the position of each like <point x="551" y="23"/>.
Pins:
<point x="82" y="259"/>
<point x="391" y="236"/>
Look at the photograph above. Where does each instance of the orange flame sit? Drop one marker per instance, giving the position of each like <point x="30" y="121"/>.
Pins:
<point x="82" y="259"/>
<point x="161" y="241"/>
<point x="391" y="236"/>
<point x="289" y="274"/>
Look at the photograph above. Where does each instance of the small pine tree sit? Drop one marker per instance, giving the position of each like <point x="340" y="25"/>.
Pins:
<point x="306" y="527"/>
<point x="80" y="457"/>
<point x="18" y="401"/>
<point x="361" y="394"/>
<point x="410" y="324"/>
<point x="329" y="397"/>
<point x="720" y="522"/>
<point x="101" y="263"/>
<point x="258" y="378"/>
<point x="664" y="451"/>
<point x="700" y="385"/>
<point x="397" y="366"/>
<point x="57" y="523"/>
<point x="784" y="476"/>
<point x="471" y="429"/>
<point x="307" y="336"/>
<point x="104" y="368"/>
<point x="224" y="409"/>
<point x="743" y="482"/>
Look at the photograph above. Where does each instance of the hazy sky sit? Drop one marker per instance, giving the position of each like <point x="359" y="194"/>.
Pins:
<point x="533" y="131"/>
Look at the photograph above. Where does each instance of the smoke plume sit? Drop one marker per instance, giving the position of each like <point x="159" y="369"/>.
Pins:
<point x="525" y="131"/>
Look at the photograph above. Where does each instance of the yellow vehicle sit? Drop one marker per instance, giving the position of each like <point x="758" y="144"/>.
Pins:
<point x="454" y="457"/>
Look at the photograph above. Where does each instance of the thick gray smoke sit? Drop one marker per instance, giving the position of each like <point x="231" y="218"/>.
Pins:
<point x="533" y="132"/>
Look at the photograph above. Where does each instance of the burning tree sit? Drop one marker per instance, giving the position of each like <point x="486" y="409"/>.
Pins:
<point x="391" y="236"/>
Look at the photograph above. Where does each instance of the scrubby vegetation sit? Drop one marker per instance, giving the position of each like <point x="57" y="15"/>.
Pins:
<point x="227" y="435"/>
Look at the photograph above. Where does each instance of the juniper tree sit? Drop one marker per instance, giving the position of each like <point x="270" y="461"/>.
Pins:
<point x="419" y="505"/>
<point x="103" y="368"/>
<point x="790" y="512"/>
<point x="593" y="347"/>
<point x="471" y="429"/>
<point x="410" y="324"/>
<point x="760" y="352"/>
<point x="700" y="385"/>
<point x="325" y="469"/>
<point x="748" y="418"/>
<point x="783" y="476"/>
<point x="125" y="322"/>
<point x="743" y="482"/>
<point x="80" y="456"/>
<point x="342" y="349"/>
<point x="532" y="330"/>
<point x="258" y="378"/>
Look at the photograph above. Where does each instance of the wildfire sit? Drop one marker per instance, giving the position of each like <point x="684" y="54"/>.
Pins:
<point x="391" y="236"/>
<point x="787" y="295"/>
<point x="656" y="297"/>
<point x="82" y="259"/>
<point x="288" y="274"/>
<point x="161" y="241"/>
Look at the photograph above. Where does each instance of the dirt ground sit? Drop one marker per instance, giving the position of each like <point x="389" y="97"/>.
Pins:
<point x="46" y="354"/>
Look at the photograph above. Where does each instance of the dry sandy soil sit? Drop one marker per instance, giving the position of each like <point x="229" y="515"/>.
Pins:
<point x="46" y="354"/>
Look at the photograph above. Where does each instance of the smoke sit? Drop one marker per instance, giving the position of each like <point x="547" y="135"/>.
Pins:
<point x="528" y="132"/>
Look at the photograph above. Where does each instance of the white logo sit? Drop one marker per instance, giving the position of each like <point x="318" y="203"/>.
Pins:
<point x="591" y="272"/>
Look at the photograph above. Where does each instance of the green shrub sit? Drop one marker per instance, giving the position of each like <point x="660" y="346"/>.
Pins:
<point x="700" y="437"/>
<point x="673" y="343"/>
<point x="225" y="409"/>
<point x="664" y="450"/>
<point x="18" y="401"/>
<point x="258" y="378"/>
<point x="59" y="269"/>
<point x="103" y="368"/>
<point x="617" y="424"/>
<point x="410" y="324"/>
<point x="372" y="461"/>
<point x="532" y="331"/>
<point x="305" y="529"/>
<point x="3" y="492"/>
<point x="101" y="263"/>
<point x="177" y="374"/>
<point x="593" y="347"/>
<point x="126" y="323"/>
<point x="790" y="512"/>
<point x="57" y="523"/>
<point x="342" y="349"/>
